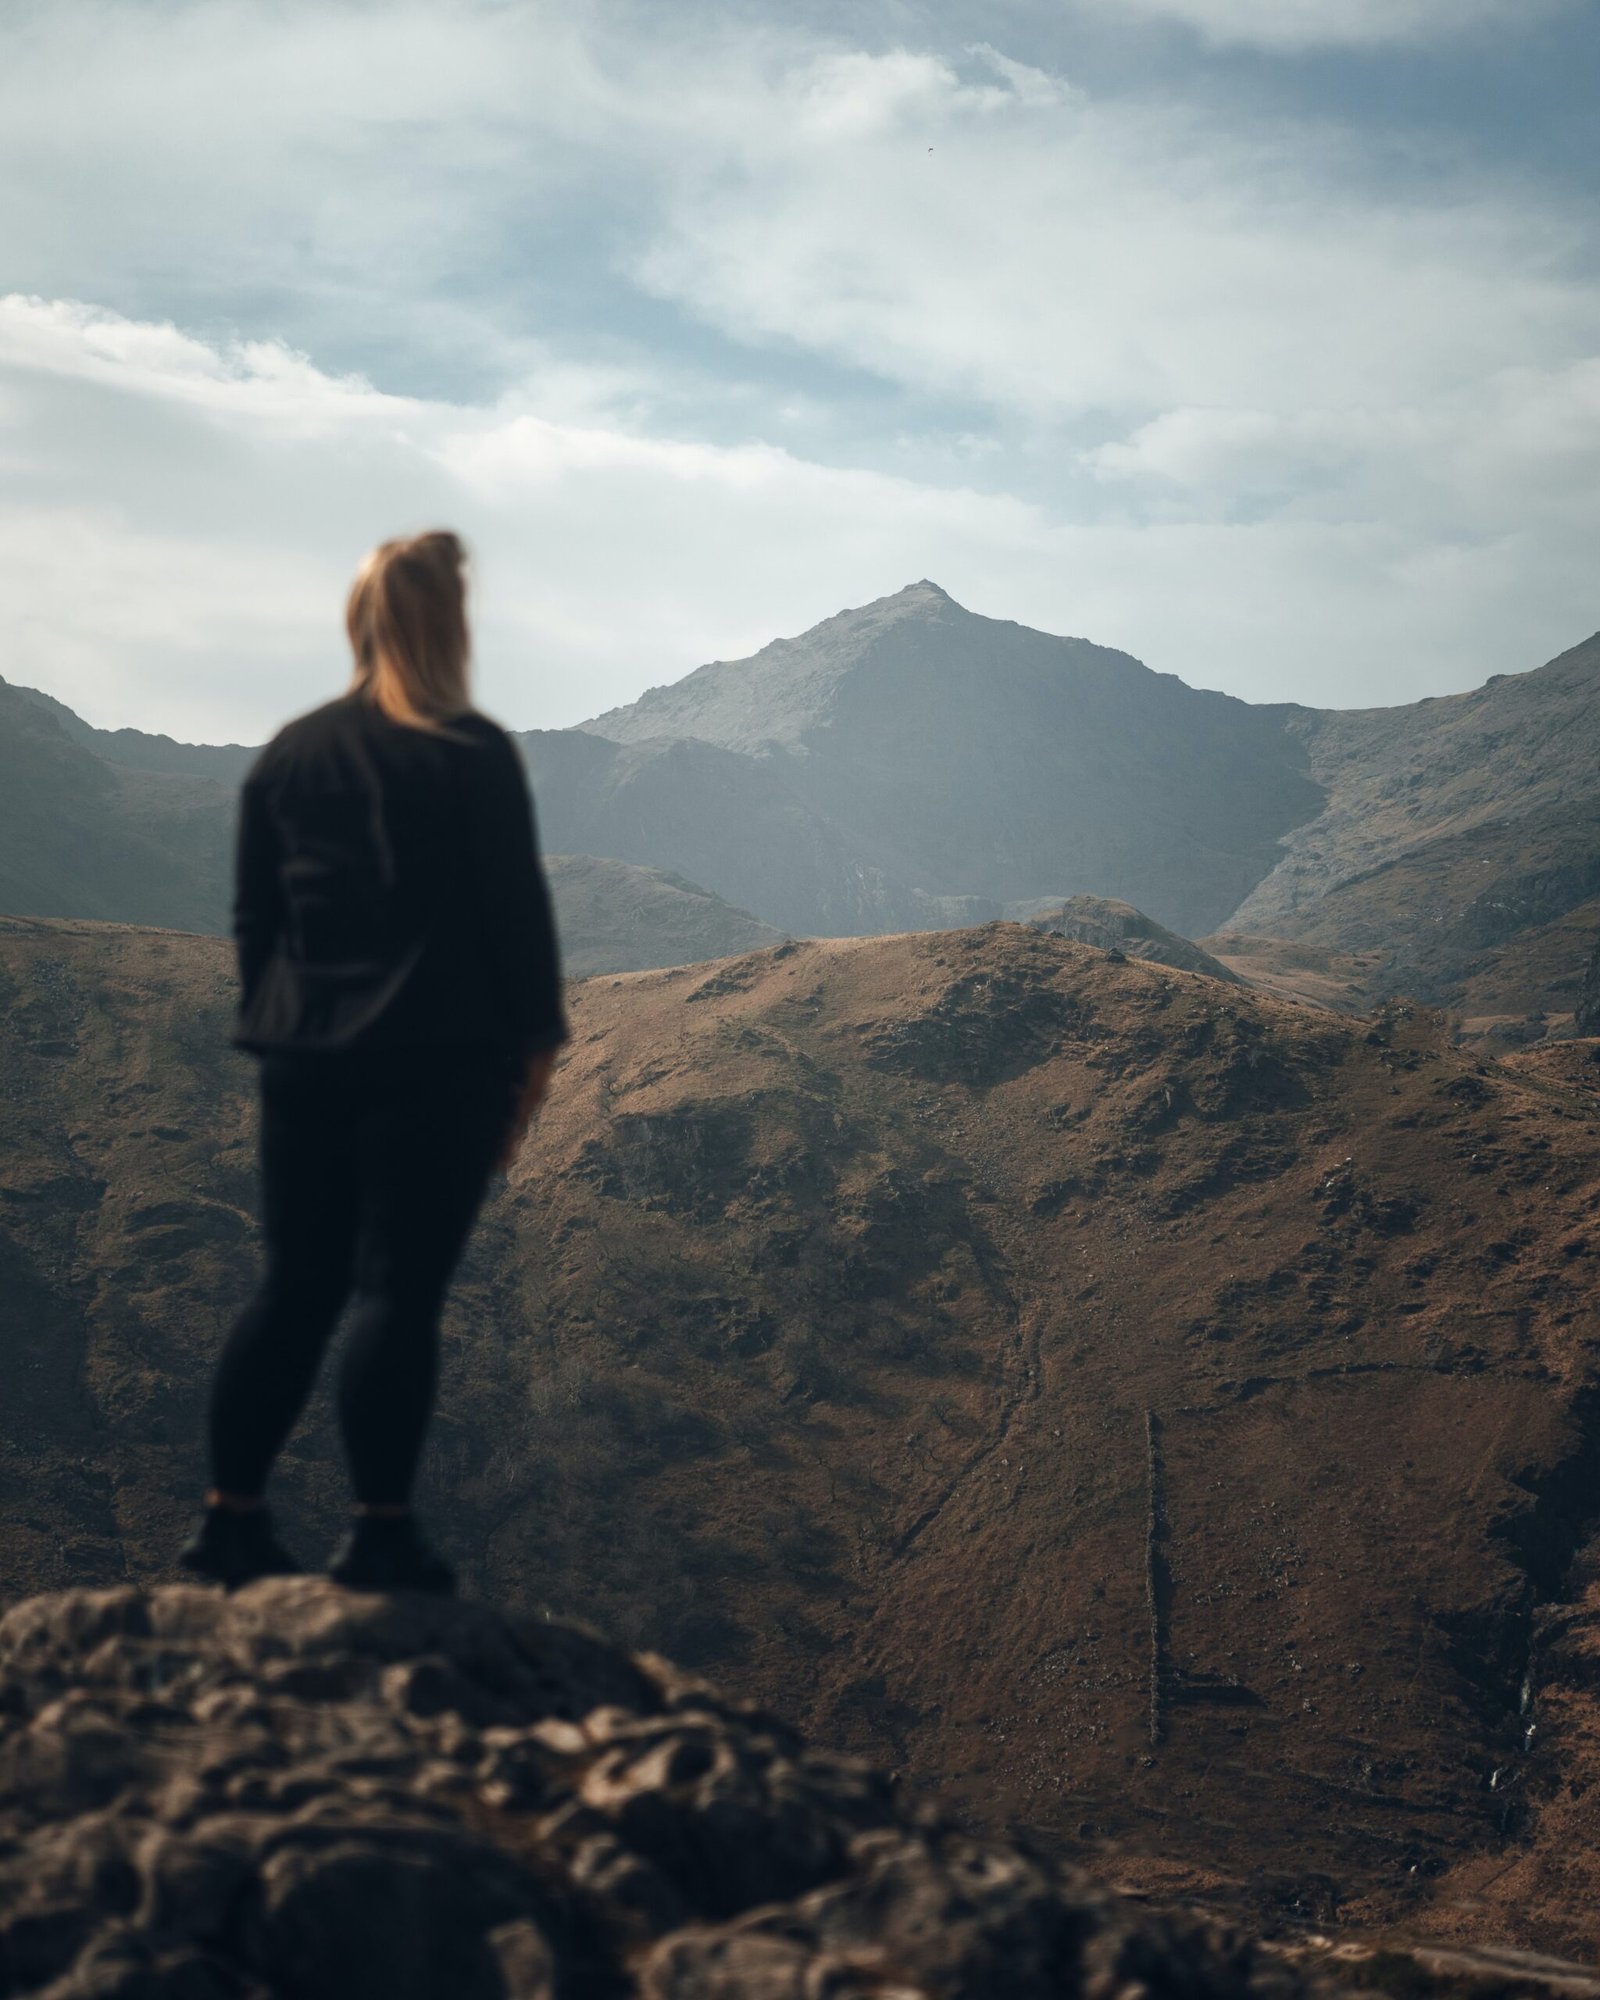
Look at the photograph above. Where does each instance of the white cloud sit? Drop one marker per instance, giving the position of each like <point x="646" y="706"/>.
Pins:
<point x="236" y="489"/>
<point x="200" y="593"/>
<point x="1063" y="256"/>
<point x="1296" y="25"/>
<point x="1282" y="426"/>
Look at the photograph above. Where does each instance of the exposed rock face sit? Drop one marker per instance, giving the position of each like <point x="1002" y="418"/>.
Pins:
<point x="1114" y="926"/>
<point x="296" y="1791"/>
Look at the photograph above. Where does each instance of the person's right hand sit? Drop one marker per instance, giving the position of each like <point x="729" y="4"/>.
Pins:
<point x="535" y="1089"/>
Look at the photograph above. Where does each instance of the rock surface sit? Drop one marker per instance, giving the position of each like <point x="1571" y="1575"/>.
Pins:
<point x="1113" y="926"/>
<point x="300" y="1791"/>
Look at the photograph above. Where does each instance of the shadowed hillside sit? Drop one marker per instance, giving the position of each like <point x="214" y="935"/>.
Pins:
<point x="81" y="837"/>
<point x="1146" y="1410"/>
<point x="120" y="825"/>
<point x="615" y="917"/>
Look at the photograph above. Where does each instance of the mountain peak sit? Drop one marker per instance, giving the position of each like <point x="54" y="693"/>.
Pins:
<point x="924" y="594"/>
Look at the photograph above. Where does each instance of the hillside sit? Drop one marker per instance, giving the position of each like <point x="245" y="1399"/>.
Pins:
<point x="615" y="917"/>
<point x="1149" y="1412"/>
<point x="81" y="837"/>
<point x="1460" y="840"/>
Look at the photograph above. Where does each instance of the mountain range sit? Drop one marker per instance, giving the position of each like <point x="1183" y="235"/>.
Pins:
<point x="911" y="766"/>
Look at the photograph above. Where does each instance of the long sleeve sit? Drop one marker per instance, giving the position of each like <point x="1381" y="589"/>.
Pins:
<point x="258" y="909"/>
<point x="517" y="926"/>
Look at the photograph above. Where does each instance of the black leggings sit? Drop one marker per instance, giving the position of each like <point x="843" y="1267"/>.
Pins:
<point x="373" y="1168"/>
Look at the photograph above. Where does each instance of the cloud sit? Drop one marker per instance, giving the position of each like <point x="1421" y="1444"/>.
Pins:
<point x="1057" y="256"/>
<point x="235" y="487"/>
<point x="1293" y="26"/>
<point x="702" y="323"/>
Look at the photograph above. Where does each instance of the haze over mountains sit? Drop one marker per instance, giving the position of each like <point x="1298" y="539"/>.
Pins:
<point x="910" y="765"/>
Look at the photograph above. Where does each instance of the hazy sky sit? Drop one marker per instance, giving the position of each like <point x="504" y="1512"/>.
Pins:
<point x="1258" y="337"/>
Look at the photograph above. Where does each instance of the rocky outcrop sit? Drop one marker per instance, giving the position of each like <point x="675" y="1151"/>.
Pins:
<point x="1112" y="926"/>
<point x="304" y="1792"/>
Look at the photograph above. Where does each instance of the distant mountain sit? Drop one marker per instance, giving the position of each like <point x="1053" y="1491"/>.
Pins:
<point x="910" y="752"/>
<point x="82" y="836"/>
<point x="909" y="765"/>
<point x="928" y="766"/>
<point x="140" y="751"/>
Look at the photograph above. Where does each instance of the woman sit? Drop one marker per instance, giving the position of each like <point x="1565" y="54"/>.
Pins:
<point x="401" y="988"/>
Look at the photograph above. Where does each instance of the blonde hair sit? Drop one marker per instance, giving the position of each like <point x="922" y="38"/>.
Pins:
<point x="407" y="620"/>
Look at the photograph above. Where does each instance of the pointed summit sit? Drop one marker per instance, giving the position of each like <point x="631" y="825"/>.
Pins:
<point x="923" y="595"/>
<point x="779" y="696"/>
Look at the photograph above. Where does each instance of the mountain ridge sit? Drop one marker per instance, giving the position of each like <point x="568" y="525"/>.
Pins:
<point x="908" y="764"/>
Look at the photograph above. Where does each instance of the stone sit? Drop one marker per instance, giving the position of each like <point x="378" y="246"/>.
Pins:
<point x="296" y="1790"/>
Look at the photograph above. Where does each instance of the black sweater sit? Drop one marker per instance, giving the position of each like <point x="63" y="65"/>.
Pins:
<point x="388" y="891"/>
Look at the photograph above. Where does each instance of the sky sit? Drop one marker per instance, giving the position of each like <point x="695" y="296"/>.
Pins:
<point x="1259" y="338"/>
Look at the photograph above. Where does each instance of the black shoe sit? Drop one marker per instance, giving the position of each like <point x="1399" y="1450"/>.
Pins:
<point x="234" y="1545"/>
<point x="387" y="1552"/>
